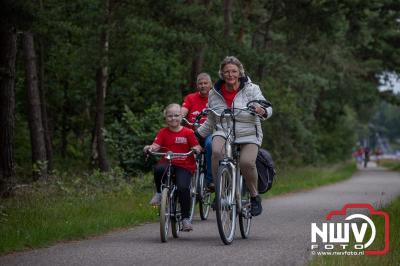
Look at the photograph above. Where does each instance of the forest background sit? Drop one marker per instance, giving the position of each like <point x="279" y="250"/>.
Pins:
<point x="83" y="82"/>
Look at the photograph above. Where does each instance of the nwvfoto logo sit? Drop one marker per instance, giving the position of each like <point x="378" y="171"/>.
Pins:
<point x="340" y="232"/>
<point x="337" y="235"/>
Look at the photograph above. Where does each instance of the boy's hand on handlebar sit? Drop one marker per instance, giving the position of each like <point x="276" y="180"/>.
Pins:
<point x="197" y="149"/>
<point x="147" y="148"/>
<point x="150" y="148"/>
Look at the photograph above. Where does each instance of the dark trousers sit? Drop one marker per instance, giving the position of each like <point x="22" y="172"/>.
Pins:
<point x="182" y="178"/>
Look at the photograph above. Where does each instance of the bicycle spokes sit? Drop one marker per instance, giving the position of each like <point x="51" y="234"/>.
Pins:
<point x="226" y="209"/>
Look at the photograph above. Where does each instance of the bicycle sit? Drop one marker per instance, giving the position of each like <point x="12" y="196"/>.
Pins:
<point x="232" y="195"/>
<point x="170" y="209"/>
<point x="199" y="191"/>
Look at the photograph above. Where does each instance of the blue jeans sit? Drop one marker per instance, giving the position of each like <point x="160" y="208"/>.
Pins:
<point x="208" y="149"/>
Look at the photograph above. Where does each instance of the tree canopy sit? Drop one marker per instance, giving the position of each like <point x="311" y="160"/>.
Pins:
<point x="319" y="62"/>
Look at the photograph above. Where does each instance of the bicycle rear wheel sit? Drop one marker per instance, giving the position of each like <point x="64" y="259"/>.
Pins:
<point x="205" y="198"/>
<point x="164" y="215"/>
<point x="225" y="204"/>
<point x="176" y="217"/>
<point x="244" y="215"/>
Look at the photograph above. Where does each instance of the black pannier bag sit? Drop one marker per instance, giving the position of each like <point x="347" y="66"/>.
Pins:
<point x="266" y="171"/>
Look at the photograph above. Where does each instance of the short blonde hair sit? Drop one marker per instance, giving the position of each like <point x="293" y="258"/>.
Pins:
<point x="231" y="60"/>
<point x="170" y="106"/>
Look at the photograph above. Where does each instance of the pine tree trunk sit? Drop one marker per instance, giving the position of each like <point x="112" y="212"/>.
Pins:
<point x="39" y="158"/>
<point x="45" y="118"/>
<point x="64" y="121"/>
<point x="99" y="147"/>
<point x="228" y="18"/>
<point x="197" y="65"/>
<point x="8" y="50"/>
<point x="245" y="13"/>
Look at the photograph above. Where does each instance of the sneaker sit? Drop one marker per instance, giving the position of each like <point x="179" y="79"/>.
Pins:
<point x="256" y="206"/>
<point x="187" y="225"/>
<point x="156" y="200"/>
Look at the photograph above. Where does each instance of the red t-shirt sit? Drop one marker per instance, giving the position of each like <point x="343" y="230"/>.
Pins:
<point x="180" y="142"/>
<point x="228" y="95"/>
<point x="195" y="104"/>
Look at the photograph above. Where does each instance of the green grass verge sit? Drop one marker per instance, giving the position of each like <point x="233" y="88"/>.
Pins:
<point x="76" y="207"/>
<point x="46" y="213"/>
<point x="391" y="164"/>
<point x="292" y="180"/>
<point x="391" y="258"/>
<point x="40" y="223"/>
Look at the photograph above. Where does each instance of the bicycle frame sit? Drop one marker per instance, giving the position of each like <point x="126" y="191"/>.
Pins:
<point x="231" y="161"/>
<point x="168" y="184"/>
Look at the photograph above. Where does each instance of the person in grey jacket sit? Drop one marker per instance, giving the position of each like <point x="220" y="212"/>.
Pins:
<point x="235" y="90"/>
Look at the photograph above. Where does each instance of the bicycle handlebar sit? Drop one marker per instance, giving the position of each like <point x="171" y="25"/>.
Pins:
<point x="196" y="122"/>
<point x="169" y="154"/>
<point x="230" y="112"/>
<point x="263" y="103"/>
<point x="249" y="108"/>
<point x="187" y="122"/>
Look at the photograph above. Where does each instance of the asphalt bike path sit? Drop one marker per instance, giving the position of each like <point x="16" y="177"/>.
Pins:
<point x="280" y="236"/>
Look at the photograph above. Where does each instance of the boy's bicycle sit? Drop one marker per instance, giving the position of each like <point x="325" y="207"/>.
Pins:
<point x="232" y="195"/>
<point x="199" y="191"/>
<point x="170" y="209"/>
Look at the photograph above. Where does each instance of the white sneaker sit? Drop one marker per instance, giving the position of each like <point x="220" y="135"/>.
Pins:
<point x="187" y="225"/>
<point x="156" y="200"/>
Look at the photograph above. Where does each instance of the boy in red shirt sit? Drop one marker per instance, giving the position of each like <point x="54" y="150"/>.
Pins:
<point x="175" y="138"/>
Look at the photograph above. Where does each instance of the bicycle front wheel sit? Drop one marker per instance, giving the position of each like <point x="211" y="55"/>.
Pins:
<point x="165" y="215"/>
<point x="225" y="204"/>
<point x="176" y="218"/>
<point x="244" y="215"/>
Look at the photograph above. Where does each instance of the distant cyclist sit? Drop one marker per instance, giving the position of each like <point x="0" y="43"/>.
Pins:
<point x="366" y="156"/>
<point x="179" y="139"/>
<point x="235" y="89"/>
<point x="193" y="104"/>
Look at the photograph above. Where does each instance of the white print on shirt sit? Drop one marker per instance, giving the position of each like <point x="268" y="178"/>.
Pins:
<point x="181" y="140"/>
<point x="195" y="113"/>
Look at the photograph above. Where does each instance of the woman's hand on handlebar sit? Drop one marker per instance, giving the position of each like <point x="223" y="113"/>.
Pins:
<point x="259" y="107"/>
<point x="259" y="110"/>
